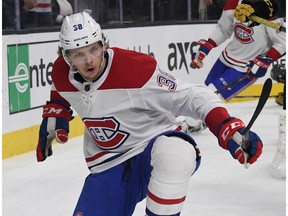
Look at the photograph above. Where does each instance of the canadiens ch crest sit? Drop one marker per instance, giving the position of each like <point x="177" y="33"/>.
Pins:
<point x="105" y="132"/>
<point x="243" y="33"/>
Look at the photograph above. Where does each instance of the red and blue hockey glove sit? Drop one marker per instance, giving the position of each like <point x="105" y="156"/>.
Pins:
<point x="259" y="66"/>
<point x="230" y="137"/>
<point x="55" y="125"/>
<point x="203" y="51"/>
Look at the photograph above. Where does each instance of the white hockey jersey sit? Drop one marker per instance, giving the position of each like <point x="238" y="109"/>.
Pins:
<point x="246" y="43"/>
<point x="131" y="102"/>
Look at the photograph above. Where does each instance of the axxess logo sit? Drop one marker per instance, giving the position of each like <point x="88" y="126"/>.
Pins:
<point x="177" y="57"/>
<point x="18" y="78"/>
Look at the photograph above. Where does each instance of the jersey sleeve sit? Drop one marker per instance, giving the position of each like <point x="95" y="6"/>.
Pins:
<point x="166" y="94"/>
<point x="225" y="26"/>
<point x="278" y="39"/>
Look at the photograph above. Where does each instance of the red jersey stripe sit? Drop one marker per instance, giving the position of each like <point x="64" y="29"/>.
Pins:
<point x="165" y="201"/>
<point x="96" y="156"/>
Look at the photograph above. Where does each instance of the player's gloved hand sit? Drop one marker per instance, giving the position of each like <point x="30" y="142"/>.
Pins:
<point x="264" y="9"/>
<point x="55" y="124"/>
<point x="203" y="51"/>
<point x="231" y="138"/>
<point x="243" y="12"/>
<point x="258" y="66"/>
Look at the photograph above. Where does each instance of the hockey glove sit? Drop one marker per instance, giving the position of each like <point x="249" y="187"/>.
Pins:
<point x="230" y="137"/>
<point x="203" y="51"/>
<point x="55" y="124"/>
<point x="264" y="9"/>
<point x="243" y="12"/>
<point x="258" y="66"/>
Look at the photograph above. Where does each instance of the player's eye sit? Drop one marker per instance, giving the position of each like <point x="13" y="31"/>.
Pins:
<point x="79" y="55"/>
<point x="96" y="50"/>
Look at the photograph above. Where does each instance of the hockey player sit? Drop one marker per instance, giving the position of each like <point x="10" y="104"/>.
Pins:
<point x="249" y="52"/>
<point x="278" y="73"/>
<point x="278" y="168"/>
<point x="133" y="144"/>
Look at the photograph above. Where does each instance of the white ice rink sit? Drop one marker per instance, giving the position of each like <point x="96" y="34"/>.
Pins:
<point x="221" y="186"/>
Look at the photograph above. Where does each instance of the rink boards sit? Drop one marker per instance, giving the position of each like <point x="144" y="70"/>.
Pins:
<point x="28" y="61"/>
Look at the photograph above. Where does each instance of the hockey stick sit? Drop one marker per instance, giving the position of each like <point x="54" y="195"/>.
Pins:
<point x="262" y="101"/>
<point x="267" y="23"/>
<point x="231" y="84"/>
<point x="252" y="96"/>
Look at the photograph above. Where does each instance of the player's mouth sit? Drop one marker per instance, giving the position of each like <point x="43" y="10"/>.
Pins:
<point x="90" y="70"/>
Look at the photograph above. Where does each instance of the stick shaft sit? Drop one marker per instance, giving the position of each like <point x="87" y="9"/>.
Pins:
<point x="262" y="100"/>
<point x="231" y="84"/>
<point x="267" y="23"/>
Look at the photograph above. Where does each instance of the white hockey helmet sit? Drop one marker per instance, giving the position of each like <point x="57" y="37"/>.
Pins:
<point x="79" y="30"/>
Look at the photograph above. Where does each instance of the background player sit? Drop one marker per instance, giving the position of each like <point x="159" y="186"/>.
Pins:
<point x="278" y="168"/>
<point x="133" y="145"/>
<point x="251" y="50"/>
<point x="278" y="73"/>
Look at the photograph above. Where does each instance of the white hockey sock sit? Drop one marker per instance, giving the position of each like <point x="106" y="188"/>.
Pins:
<point x="173" y="160"/>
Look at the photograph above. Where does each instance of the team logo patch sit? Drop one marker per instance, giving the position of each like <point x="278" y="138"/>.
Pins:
<point x="243" y="33"/>
<point x="165" y="79"/>
<point x="105" y="132"/>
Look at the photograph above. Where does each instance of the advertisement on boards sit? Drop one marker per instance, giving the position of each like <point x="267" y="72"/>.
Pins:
<point x="29" y="74"/>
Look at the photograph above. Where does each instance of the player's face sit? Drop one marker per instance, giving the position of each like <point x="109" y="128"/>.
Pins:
<point x="88" y="60"/>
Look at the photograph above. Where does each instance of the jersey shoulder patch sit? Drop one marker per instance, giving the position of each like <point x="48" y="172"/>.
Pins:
<point x="129" y="69"/>
<point x="60" y="76"/>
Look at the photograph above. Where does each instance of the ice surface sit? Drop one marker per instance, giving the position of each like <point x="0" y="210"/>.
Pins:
<point x="221" y="186"/>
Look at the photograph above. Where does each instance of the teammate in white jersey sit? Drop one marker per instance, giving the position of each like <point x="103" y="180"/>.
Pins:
<point x="133" y="144"/>
<point x="250" y="51"/>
